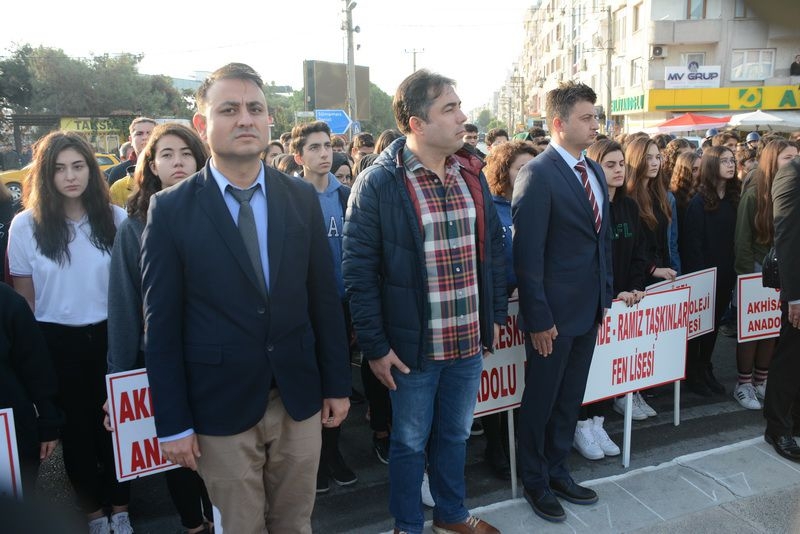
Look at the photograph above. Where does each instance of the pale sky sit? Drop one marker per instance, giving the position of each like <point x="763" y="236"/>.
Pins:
<point x="474" y="42"/>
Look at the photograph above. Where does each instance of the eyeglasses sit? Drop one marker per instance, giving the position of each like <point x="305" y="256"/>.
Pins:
<point x="727" y="161"/>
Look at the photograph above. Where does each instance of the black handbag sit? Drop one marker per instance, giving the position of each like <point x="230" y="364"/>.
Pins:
<point x="769" y="273"/>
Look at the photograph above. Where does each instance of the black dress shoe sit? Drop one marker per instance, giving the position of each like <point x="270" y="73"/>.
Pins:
<point x="545" y="504"/>
<point x="785" y="446"/>
<point x="498" y="461"/>
<point x="572" y="492"/>
<point x="712" y="382"/>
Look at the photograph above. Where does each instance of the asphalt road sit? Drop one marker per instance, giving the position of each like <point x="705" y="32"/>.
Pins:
<point x="362" y="507"/>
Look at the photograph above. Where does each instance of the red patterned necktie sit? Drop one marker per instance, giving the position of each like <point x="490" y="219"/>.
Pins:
<point x="581" y="168"/>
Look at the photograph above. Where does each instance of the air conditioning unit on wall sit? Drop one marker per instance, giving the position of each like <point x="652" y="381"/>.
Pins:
<point x="658" y="51"/>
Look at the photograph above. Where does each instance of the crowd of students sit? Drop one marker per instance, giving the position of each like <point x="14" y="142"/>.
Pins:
<point x="73" y="259"/>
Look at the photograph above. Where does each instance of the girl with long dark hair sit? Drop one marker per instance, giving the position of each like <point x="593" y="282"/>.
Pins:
<point x="630" y="263"/>
<point x="59" y="256"/>
<point x="646" y="187"/>
<point x="173" y="153"/>
<point x="683" y="186"/>
<point x="710" y="226"/>
<point x="752" y="241"/>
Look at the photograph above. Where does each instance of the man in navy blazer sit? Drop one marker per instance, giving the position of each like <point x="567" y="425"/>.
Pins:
<point x="562" y="258"/>
<point x="243" y="352"/>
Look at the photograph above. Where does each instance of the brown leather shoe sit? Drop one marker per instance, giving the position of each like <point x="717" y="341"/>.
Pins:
<point x="471" y="525"/>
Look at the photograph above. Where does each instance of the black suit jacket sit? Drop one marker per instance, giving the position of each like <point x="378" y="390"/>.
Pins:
<point x="213" y="343"/>
<point x="786" y="213"/>
<point x="563" y="265"/>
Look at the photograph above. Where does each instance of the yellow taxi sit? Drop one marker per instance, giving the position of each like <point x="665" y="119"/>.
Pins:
<point x="13" y="179"/>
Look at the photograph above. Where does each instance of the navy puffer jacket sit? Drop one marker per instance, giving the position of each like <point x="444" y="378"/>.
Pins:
<point x="383" y="261"/>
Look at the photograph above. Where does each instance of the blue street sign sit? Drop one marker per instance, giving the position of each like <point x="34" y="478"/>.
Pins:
<point x="337" y="119"/>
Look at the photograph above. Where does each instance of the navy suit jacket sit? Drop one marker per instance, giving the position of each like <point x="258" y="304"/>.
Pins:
<point x="563" y="265"/>
<point x="213" y="343"/>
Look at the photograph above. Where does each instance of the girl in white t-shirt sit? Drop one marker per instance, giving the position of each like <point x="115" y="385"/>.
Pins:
<point x="59" y="254"/>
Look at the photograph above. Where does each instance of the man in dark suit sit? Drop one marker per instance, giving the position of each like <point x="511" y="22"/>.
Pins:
<point x="245" y="340"/>
<point x="562" y="258"/>
<point x="781" y="400"/>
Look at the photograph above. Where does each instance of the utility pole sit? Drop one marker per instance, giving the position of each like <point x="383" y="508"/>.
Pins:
<point x="352" y="109"/>
<point x="609" y="52"/>
<point x="414" y="52"/>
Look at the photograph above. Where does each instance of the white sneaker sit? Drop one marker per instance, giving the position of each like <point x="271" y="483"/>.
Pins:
<point x="746" y="395"/>
<point x="761" y="390"/>
<point x="121" y="524"/>
<point x="636" y="414"/>
<point x="646" y="408"/>
<point x="99" y="526"/>
<point x="601" y="437"/>
<point x="427" y="498"/>
<point x="584" y="441"/>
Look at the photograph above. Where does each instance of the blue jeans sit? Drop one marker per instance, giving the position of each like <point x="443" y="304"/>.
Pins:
<point x="436" y="401"/>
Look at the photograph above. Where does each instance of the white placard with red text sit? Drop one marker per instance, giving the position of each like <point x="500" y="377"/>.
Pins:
<point x="503" y="375"/>
<point x="703" y="285"/>
<point x="758" y="308"/>
<point x="10" y="481"/>
<point x="136" y="449"/>
<point x="640" y="346"/>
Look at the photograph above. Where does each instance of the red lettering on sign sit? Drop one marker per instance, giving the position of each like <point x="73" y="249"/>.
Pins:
<point x="510" y="334"/>
<point x="619" y="370"/>
<point x="762" y="306"/>
<point x="604" y="332"/>
<point x="694" y="325"/>
<point x="146" y="454"/>
<point x="770" y="323"/>
<point x="498" y="382"/>
<point x="139" y="408"/>
<point x="630" y="325"/>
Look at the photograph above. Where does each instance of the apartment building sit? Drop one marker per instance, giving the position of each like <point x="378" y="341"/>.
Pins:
<point x="649" y="60"/>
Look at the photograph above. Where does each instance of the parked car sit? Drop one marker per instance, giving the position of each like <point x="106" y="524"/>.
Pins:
<point x="13" y="179"/>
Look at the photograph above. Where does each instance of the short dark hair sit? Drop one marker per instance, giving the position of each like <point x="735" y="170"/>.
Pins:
<point x="494" y="133"/>
<point x="471" y="128"/>
<point x="301" y="132"/>
<point x="537" y="132"/>
<point x="363" y="139"/>
<point x="231" y="71"/>
<point x="561" y="100"/>
<point x="337" y="141"/>
<point x="139" y="120"/>
<point x="415" y="95"/>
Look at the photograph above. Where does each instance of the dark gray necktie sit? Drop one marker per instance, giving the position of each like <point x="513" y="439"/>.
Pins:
<point x="247" y="229"/>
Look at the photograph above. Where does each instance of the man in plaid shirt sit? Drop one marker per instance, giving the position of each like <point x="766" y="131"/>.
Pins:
<point x="424" y="272"/>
